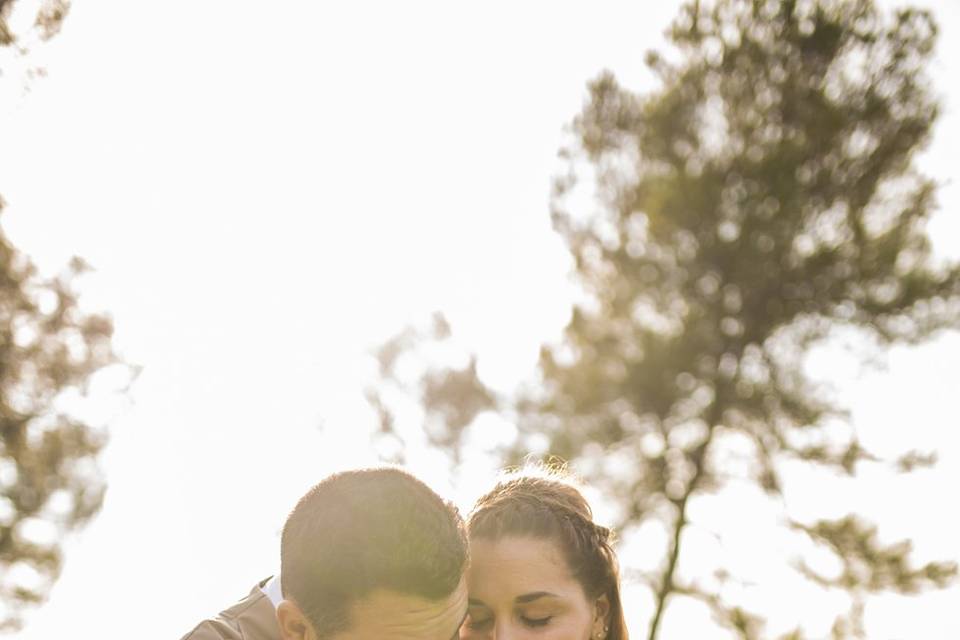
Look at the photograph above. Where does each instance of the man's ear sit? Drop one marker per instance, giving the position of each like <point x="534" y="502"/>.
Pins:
<point x="601" y="617"/>
<point x="293" y="624"/>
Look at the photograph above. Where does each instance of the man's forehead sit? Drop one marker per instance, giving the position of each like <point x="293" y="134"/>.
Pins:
<point x="390" y="615"/>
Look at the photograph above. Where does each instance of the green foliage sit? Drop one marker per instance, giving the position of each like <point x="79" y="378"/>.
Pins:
<point x="761" y="197"/>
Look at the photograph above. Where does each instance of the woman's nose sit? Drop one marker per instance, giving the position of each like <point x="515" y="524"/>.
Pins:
<point x="505" y="631"/>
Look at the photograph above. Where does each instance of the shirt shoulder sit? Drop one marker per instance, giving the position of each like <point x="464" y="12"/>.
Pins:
<point x="213" y="629"/>
<point x="249" y="619"/>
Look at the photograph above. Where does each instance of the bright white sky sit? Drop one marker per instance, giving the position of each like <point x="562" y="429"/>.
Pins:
<point x="268" y="189"/>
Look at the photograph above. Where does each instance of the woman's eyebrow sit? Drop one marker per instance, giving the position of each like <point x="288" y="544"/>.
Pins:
<point x="536" y="595"/>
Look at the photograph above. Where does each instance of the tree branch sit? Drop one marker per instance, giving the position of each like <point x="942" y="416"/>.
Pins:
<point x="667" y="585"/>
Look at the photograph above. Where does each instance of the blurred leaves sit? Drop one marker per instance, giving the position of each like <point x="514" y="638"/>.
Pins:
<point x="49" y="351"/>
<point x="49" y="482"/>
<point x="454" y="397"/>
<point x="451" y="396"/>
<point x="915" y="460"/>
<point x="868" y="565"/>
<point x="46" y="21"/>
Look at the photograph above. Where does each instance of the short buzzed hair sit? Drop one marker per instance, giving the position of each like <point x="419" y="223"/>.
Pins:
<point x="358" y="531"/>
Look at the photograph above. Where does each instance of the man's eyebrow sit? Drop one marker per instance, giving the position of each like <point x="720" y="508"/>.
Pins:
<point x="536" y="595"/>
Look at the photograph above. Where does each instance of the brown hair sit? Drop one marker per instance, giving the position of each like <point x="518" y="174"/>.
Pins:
<point x="543" y="503"/>
<point x="362" y="530"/>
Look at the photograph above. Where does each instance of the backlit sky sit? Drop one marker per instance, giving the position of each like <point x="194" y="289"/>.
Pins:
<point x="266" y="190"/>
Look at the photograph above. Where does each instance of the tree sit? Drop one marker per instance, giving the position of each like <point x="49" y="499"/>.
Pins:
<point x="760" y="198"/>
<point x="49" y="350"/>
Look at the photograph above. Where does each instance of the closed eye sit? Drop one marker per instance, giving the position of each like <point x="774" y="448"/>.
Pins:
<point x="536" y="622"/>
<point x="476" y="625"/>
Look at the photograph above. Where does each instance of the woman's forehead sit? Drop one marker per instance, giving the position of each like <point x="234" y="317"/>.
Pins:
<point x="517" y="564"/>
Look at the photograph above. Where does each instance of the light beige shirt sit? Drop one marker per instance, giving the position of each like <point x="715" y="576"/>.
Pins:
<point x="253" y="618"/>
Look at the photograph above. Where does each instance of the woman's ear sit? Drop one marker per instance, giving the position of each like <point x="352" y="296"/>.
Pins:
<point x="601" y="618"/>
<point x="293" y="624"/>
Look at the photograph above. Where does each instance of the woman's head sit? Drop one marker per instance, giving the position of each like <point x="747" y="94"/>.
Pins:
<point x="540" y="565"/>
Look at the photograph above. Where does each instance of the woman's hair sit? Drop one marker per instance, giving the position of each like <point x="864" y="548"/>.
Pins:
<point x="543" y="503"/>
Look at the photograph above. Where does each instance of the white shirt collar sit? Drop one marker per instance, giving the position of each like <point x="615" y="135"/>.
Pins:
<point x="273" y="591"/>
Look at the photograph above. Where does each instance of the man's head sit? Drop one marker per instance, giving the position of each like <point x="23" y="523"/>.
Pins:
<point x="372" y="553"/>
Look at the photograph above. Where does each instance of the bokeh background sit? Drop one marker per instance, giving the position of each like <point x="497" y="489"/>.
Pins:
<point x="266" y="192"/>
